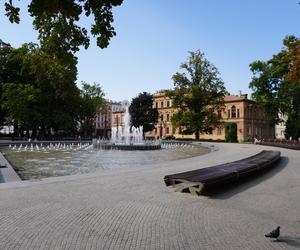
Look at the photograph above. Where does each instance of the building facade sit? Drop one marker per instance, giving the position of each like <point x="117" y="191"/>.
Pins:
<point x="249" y="117"/>
<point x="118" y="112"/>
<point x="103" y="120"/>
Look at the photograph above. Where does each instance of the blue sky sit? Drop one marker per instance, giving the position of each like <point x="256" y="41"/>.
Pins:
<point x="154" y="37"/>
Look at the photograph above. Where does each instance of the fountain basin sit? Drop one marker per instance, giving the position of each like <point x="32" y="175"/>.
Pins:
<point x="129" y="147"/>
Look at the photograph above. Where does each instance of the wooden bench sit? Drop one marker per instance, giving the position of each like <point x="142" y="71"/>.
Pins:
<point x="196" y="181"/>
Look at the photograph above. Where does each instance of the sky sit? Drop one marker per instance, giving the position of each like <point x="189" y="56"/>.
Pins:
<point x="154" y="37"/>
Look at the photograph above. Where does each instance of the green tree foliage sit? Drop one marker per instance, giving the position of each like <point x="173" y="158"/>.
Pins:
<point x="21" y="101"/>
<point x="276" y="85"/>
<point x="47" y="84"/>
<point x="91" y="99"/>
<point x="198" y="95"/>
<point x="230" y="132"/>
<point x="5" y="50"/>
<point x="142" y="112"/>
<point x="58" y="22"/>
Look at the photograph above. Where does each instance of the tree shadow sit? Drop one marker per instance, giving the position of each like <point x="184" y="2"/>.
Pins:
<point x="1" y="178"/>
<point x="289" y="240"/>
<point x="231" y="189"/>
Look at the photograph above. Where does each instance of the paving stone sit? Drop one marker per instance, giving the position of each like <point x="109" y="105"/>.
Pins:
<point x="133" y="209"/>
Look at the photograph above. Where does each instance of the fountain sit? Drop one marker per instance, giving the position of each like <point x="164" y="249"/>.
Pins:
<point x="127" y="137"/>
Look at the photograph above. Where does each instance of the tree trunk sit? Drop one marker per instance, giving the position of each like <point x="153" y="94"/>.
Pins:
<point x="197" y="135"/>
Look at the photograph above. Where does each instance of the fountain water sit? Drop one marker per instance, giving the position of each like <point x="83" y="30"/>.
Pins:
<point x="127" y="137"/>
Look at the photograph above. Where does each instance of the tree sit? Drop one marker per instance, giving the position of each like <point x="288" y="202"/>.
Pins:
<point x="5" y="50"/>
<point x="276" y="85"/>
<point x="198" y="95"/>
<point x="142" y="112"/>
<point x="230" y="132"/>
<point x="29" y="72"/>
<point x="20" y="103"/>
<point x="91" y="99"/>
<point x="58" y="22"/>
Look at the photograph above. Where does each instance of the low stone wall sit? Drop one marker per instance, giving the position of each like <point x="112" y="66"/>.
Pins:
<point x="7" y="173"/>
<point x="129" y="147"/>
<point x="291" y="144"/>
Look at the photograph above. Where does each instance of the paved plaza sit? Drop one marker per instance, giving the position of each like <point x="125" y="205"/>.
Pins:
<point x="133" y="209"/>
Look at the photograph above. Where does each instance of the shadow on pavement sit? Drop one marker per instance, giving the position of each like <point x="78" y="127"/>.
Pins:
<point x="225" y="192"/>
<point x="289" y="240"/>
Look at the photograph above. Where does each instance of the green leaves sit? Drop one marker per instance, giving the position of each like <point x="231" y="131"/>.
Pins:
<point x="37" y="90"/>
<point x="198" y="95"/>
<point x="142" y="112"/>
<point x="12" y="12"/>
<point x="276" y="83"/>
<point x="90" y="101"/>
<point x="58" y="23"/>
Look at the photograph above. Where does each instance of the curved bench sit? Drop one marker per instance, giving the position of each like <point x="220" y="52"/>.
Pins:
<point x="196" y="181"/>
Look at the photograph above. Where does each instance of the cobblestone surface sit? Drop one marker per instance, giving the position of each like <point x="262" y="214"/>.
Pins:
<point x="133" y="209"/>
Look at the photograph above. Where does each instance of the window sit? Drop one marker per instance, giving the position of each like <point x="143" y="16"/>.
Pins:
<point x="219" y="130"/>
<point x="156" y="105"/>
<point x="238" y="113"/>
<point x="249" y="131"/>
<point x="168" y="117"/>
<point x="161" y="117"/>
<point x="168" y="103"/>
<point x="162" y="104"/>
<point x="167" y="130"/>
<point x="228" y="114"/>
<point x="233" y="112"/>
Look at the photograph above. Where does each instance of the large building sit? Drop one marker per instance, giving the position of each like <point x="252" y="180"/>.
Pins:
<point x="249" y="117"/>
<point x="103" y="120"/>
<point x="108" y="116"/>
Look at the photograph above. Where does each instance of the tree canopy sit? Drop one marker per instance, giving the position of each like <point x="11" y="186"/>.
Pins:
<point x="91" y="100"/>
<point x="58" y="22"/>
<point x="198" y="95"/>
<point x="276" y="85"/>
<point x="38" y="92"/>
<point x="142" y="112"/>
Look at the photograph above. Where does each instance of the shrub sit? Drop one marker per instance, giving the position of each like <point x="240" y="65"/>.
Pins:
<point x="231" y="132"/>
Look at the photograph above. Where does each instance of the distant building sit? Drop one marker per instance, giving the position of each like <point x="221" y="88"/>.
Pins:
<point x="118" y="113"/>
<point x="103" y="120"/>
<point x="7" y="130"/>
<point x="249" y="117"/>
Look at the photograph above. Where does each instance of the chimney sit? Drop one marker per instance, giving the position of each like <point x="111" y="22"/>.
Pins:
<point x="240" y="93"/>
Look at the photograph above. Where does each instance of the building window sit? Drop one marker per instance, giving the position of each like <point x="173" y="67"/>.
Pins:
<point x="156" y="105"/>
<point x="162" y="104"/>
<point x="168" y="103"/>
<point x="219" y="130"/>
<point x="167" y="130"/>
<point x="238" y="113"/>
<point x="168" y="117"/>
<point x="233" y="112"/>
<point x="249" y="131"/>
<point x="228" y="114"/>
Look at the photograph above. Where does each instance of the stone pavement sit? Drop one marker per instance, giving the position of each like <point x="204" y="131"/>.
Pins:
<point x="133" y="209"/>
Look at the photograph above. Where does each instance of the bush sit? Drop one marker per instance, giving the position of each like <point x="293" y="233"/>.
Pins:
<point x="170" y="137"/>
<point x="231" y="132"/>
